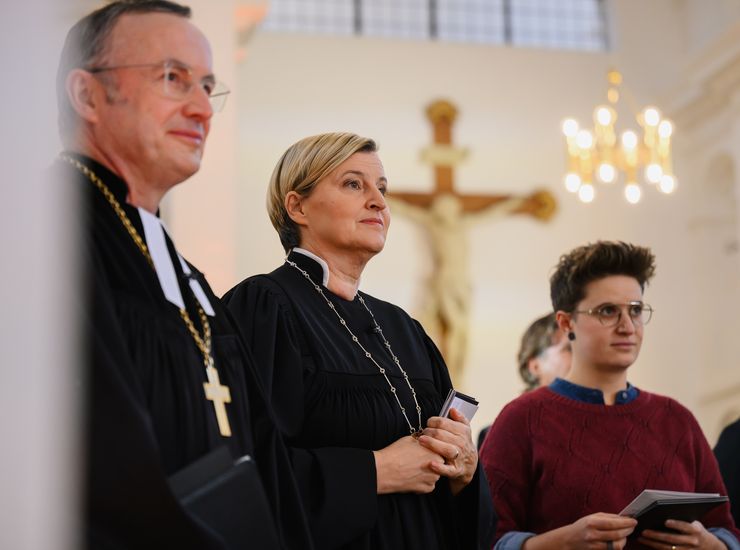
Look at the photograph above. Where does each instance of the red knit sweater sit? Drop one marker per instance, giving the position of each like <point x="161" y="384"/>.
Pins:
<point x="551" y="460"/>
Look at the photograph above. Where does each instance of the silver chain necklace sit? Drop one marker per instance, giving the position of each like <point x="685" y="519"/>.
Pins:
<point x="412" y="430"/>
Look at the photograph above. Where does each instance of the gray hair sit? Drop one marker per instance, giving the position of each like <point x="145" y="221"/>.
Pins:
<point x="86" y="44"/>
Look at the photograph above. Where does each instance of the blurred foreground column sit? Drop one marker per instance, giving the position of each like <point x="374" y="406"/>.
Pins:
<point x="39" y="380"/>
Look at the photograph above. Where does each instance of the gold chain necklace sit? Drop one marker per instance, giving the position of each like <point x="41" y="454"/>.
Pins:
<point x="214" y="390"/>
<point x="414" y="431"/>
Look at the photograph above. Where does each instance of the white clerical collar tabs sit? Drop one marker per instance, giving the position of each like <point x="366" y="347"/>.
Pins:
<point x="320" y="261"/>
<point x="198" y="291"/>
<point x="157" y="245"/>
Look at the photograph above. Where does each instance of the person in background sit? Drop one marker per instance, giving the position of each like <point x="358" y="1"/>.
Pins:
<point x="544" y="355"/>
<point x="563" y="460"/>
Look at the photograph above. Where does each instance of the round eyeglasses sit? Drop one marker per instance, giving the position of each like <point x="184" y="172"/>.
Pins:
<point x="177" y="81"/>
<point x="610" y="315"/>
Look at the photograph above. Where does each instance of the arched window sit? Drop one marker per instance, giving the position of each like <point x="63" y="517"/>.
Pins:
<point x="566" y="24"/>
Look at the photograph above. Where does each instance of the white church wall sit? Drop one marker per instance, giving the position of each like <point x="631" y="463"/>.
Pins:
<point x="704" y="22"/>
<point x="707" y="104"/>
<point x="201" y="212"/>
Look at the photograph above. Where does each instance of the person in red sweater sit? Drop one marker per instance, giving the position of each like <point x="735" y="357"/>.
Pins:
<point x="563" y="460"/>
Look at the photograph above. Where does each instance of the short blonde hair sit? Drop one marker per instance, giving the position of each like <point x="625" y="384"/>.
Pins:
<point x="301" y="167"/>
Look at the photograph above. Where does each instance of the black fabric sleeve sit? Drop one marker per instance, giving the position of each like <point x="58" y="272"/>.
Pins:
<point x="338" y="485"/>
<point x="474" y="512"/>
<point x="727" y="452"/>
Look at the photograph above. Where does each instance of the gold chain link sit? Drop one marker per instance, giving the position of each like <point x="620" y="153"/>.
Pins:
<point x="204" y="342"/>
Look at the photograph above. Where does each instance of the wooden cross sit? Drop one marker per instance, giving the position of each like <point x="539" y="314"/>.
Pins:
<point x="445" y="214"/>
<point x="443" y="156"/>
<point x="219" y="394"/>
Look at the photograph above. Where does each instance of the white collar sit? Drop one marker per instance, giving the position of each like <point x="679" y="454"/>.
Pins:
<point x="154" y="231"/>
<point x="320" y="261"/>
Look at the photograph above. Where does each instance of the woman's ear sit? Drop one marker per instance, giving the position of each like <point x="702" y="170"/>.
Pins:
<point x="82" y="91"/>
<point x="533" y="366"/>
<point x="564" y="321"/>
<point x="294" y="207"/>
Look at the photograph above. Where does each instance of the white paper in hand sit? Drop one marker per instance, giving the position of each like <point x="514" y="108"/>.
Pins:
<point x="464" y="404"/>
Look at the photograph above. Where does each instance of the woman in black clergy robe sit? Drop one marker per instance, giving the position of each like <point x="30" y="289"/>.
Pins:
<point x="353" y="379"/>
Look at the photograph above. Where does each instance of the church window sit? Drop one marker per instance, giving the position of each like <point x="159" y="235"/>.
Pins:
<point x="562" y="24"/>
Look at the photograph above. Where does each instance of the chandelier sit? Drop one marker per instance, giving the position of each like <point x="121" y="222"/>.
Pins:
<point x="597" y="155"/>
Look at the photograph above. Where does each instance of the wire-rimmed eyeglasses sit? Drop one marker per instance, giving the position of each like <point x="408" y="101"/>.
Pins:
<point x="177" y="80"/>
<point x="610" y="315"/>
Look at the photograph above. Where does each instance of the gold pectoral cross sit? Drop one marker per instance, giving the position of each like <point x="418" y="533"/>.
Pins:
<point x="220" y="395"/>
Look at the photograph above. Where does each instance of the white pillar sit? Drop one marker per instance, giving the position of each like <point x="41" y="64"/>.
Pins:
<point x="40" y="381"/>
<point x="735" y="154"/>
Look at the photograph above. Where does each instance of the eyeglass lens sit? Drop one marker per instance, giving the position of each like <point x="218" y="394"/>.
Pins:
<point x="611" y="314"/>
<point x="178" y="82"/>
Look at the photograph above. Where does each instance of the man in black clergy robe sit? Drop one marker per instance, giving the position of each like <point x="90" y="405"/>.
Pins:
<point x="169" y="379"/>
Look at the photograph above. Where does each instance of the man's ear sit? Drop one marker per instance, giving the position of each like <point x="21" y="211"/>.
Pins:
<point x="83" y="91"/>
<point x="294" y="207"/>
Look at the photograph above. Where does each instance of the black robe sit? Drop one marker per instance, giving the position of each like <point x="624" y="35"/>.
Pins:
<point x="727" y="452"/>
<point x="334" y="407"/>
<point x="146" y="412"/>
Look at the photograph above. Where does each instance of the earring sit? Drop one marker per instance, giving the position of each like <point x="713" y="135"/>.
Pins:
<point x="571" y="336"/>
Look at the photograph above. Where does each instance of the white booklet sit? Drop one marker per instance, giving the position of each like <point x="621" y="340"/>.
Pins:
<point x="459" y="401"/>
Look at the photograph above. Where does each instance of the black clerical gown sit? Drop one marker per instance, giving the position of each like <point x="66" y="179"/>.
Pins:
<point x="147" y="413"/>
<point x="335" y="407"/>
<point x="727" y="452"/>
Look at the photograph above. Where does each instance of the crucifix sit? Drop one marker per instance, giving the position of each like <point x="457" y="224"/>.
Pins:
<point x="220" y="395"/>
<point x="445" y="214"/>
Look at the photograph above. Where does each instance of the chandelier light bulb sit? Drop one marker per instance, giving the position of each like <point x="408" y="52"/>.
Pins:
<point x="572" y="182"/>
<point x="632" y="193"/>
<point x="629" y="139"/>
<point x="570" y="127"/>
<point x="607" y="172"/>
<point x="653" y="172"/>
<point x="585" y="139"/>
<point x="667" y="184"/>
<point x="651" y="116"/>
<point x="665" y="128"/>
<point x="603" y="116"/>
<point x="586" y="193"/>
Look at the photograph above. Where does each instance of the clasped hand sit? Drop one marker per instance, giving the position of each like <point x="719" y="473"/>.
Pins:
<point x="413" y="465"/>
<point x="452" y="439"/>
<point x="404" y="466"/>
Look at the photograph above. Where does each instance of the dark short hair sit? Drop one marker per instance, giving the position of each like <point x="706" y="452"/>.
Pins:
<point x="86" y="44"/>
<point x="536" y="339"/>
<point x="595" y="261"/>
